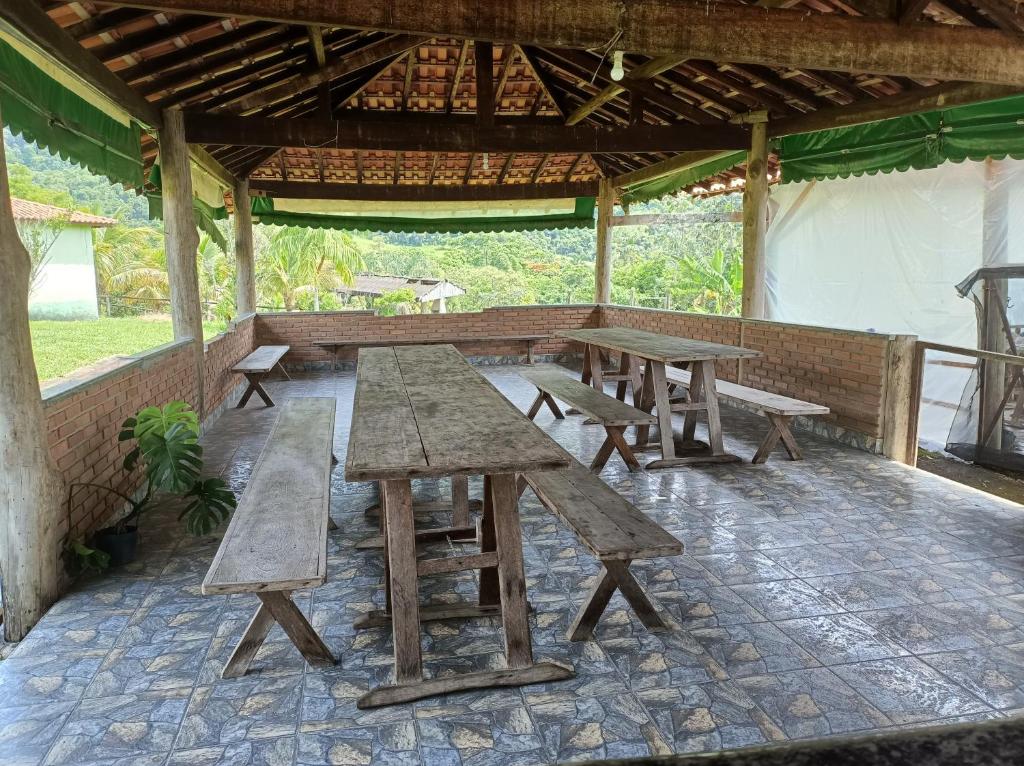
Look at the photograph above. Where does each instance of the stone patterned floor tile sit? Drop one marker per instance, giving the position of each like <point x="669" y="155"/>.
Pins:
<point x="840" y="638"/>
<point x="239" y="709"/>
<point x="907" y="690"/>
<point x="393" y="744"/>
<point x="786" y="599"/>
<point x="861" y="591"/>
<point x="123" y="726"/>
<point x="743" y="567"/>
<point x="925" y="629"/>
<point x="27" y="731"/>
<point x="812" y="560"/>
<point x="753" y="649"/>
<point x="262" y="752"/>
<point x="708" y="607"/>
<point x="707" y="717"/>
<point x="597" y="728"/>
<point x="492" y="738"/>
<point x="149" y="667"/>
<point x="812" y="703"/>
<point x="996" y="675"/>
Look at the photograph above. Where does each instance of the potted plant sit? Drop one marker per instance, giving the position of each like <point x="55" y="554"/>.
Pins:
<point x="166" y="446"/>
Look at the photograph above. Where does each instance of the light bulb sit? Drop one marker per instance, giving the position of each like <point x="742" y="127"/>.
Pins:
<point x="487" y="164"/>
<point x="617" y="71"/>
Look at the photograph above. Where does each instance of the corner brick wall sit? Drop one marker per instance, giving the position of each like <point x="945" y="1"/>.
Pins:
<point x="222" y="353"/>
<point x="302" y="330"/>
<point x="85" y="411"/>
<point x="85" y="417"/>
<point x="844" y="370"/>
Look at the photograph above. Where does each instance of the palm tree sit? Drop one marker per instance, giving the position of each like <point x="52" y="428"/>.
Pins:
<point x="306" y="262"/>
<point x="711" y="285"/>
<point x="130" y="264"/>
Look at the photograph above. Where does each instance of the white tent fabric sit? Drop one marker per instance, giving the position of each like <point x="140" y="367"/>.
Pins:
<point x="883" y="253"/>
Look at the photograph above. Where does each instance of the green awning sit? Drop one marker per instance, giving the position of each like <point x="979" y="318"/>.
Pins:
<point x="578" y="213"/>
<point x="920" y="141"/>
<point x="659" y="187"/>
<point x="205" y="212"/>
<point x="47" y="113"/>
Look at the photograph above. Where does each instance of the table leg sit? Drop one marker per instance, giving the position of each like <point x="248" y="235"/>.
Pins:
<point x="460" y="501"/>
<point x="514" y="610"/>
<point x="401" y="550"/>
<point x="489" y="584"/>
<point x="620" y="386"/>
<point x="636" y="380"/>
<point x="596" y="373"/>
<point x="646" y="404"/>
<point x="656" y="370"/>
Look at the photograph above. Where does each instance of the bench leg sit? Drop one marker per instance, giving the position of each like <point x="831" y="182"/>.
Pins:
<point x="535" y="407"/>
<point x="529" y="352"/>
<point x="277" y="606"/>
<point x="544" y="398"/>
<point x="250" y="643"/>
<point x="553" y="406"/>
<point x="615" y="441"/>
<point x="614" y="575"/>
<point x="255" y="388"/>
<point x="779" y="430"/>
<point x="298" y="629"/>
<point x="284" y="371"/>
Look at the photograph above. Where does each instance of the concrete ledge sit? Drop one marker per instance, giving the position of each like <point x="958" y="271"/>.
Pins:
<point x="106" y="369"/>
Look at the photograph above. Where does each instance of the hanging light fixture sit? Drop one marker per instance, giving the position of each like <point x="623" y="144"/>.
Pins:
<point x="487" y="164"/>
<point x="617" y="71"/>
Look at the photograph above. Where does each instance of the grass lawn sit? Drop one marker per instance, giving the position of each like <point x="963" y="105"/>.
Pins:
<point x="63" y="347"/>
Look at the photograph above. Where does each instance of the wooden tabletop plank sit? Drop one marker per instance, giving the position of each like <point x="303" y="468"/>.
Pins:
<point x="277" y="538"/>
<point x="659" y="348"/>
<point x="464" y="425"/>
<point x="427" y="341"/>
<point x="262" y="359"/>
<point x="383" y="436"/>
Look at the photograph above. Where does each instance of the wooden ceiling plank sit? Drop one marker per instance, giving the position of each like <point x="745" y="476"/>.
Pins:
<point x="733" y="32"/>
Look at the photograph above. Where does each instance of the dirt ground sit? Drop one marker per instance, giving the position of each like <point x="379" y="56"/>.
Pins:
<point x="1007" y="484"/>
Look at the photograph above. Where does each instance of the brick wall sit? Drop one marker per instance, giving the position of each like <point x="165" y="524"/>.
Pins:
<point x="301" y="331"/>
<point x="85" y="412"/>
<point x="844" y="370"/>
<point x="223" y="353"/>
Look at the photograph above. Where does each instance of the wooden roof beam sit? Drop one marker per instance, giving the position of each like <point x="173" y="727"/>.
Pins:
<point x="483" y="57"/>
<point x="457" y="78"/>
<point x="422" y="192"/>
<point x="434" y="135"/>
<point x="737" y="33"/>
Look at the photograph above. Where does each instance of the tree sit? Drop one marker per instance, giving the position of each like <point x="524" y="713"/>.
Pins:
<point x="39" y="238"/>
<point x="303" y="265"/>
<point x="401" y="301"/>
<point x="131" y="266"/>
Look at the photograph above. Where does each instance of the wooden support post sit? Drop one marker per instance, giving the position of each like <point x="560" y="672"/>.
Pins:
<point x="181" y="240"/>
<point x="603" y="261"/>
<point x="245" y="266"/>
<point x="755" y="218"/>
<point x="899" y="437"/>
<point x="31" y="488"/>
<point x="484" y="53"/>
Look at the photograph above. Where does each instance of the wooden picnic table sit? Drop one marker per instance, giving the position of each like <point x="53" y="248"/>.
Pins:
<point x="423" y="411"/>
<point x="651" y="389"/>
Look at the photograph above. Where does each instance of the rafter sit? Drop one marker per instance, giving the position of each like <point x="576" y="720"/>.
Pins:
<point x="459" y="66"/>
<point x="643" y="72"/>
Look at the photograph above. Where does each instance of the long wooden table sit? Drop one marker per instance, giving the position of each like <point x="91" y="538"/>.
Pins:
<point x="651" y="389"/>
<point x="423" y="411"/>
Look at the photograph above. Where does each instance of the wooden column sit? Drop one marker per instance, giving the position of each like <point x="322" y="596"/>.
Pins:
<point x="755" y="218"/>
<point x="31" y="488"/>
<point x="181" y="241"/>
<point x="603" y="261"/>
<point x="483" y="51"/>
<point x="245" y="266"/>
<point x="992" y="335"/>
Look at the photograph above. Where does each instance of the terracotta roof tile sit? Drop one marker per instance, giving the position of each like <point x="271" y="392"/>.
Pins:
<point x="37" y="211"/>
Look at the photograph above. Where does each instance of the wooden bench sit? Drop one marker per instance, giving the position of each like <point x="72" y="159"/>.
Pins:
<point x="337" y="346"/>
<point x="613" y="530"/>
<point x="257" y="366"/>
<point x="611" y="413"/>
<point x="276" y="542"/>
<point x="780" y="411"/>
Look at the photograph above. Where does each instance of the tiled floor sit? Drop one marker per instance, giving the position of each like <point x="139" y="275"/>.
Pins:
<point x="840" y="594"/>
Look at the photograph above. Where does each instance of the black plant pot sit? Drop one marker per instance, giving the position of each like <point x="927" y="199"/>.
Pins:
<point x="120" y="546"/>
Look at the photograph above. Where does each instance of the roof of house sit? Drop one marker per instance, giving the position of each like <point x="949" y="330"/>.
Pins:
<point x="24" y="210"/>
<point x="424" y="289"/>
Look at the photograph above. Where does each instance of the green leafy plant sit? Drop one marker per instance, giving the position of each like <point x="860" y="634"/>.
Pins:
<point x="79" y="559"/>
<point x="166" y="447"/>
